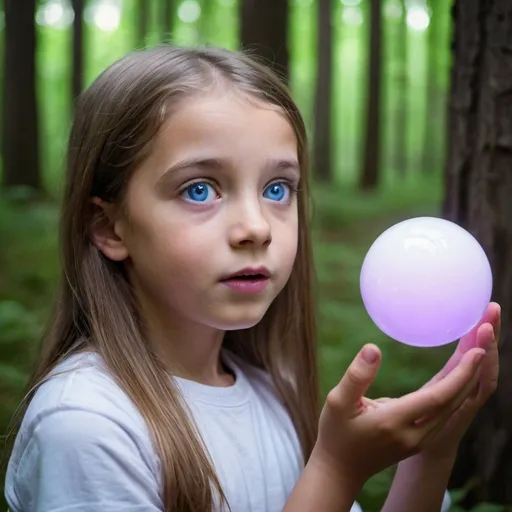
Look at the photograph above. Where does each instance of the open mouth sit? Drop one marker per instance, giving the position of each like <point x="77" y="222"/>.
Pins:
<point x="248" y="280"/>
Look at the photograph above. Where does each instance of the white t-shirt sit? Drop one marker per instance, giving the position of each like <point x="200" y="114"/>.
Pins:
<point x="83" y="446"/>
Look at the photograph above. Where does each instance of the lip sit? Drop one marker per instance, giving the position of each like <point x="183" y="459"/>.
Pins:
<point x="248" y="286"/>
<point x="249" y="271"/>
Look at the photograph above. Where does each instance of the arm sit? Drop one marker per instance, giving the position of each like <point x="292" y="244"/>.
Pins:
<point x="320" y="488"/>
<point x="420" y="485"/>
<point x="82" y="461"/>
<point x="358" y="438"/>
<point x="421" y="480"/>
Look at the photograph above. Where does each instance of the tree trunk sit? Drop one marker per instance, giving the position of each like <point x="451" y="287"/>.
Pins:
<point x="142" y="22"/>
<point x="264" y="32"/>
<point x="369" y="177"/>
<point x="78" y="49"/>
<point x="322" y="151"/>
<point x="402" y="81"/>
<point x="479" y="197"/>
<point x="167" y="20"/>
<point x="20" y="120"/>
<point x="431" y="163"/>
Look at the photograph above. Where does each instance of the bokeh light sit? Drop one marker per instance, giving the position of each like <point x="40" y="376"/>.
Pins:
<point x="104" y="14"/>
<point x="418" y="18"/>
<point x="189" y="11"/>
<point x="56" y="14"/>
<point x="353" y="16"/>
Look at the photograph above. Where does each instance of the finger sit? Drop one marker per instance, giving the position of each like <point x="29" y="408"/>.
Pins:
<point x="465" y="410"/>
<point x="490" y="316"/>
<point x="485" y="336"/>
<point x="374" y="403"/>
<point x="384" y="400"/>
<point x="489" y="374"/>
<point x="431" y="423"/>
<point x="496" y="323"/>
<point x="358" y="377"/>
<point x="470" y="340"/>
<point x="431" y="400"/>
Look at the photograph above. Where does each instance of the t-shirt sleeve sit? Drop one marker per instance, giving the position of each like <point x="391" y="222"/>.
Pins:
<point x="82" y="461"/>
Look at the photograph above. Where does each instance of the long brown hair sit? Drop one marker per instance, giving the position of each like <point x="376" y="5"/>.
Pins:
<point x="116" y="119"/>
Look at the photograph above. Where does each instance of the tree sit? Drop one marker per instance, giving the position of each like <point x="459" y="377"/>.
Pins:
<point x="78" y="48"/>
<point x="369" y="177"/>
<point x="142" y="22"/>
<point x="478" y="197"/>
<point x="322" y="149"/>
<point x="435" y="98"/>
<point x="401" y="87"/>
<point x="264" y="31"/>
<point x="167" y="20"/>
<point x="20" y="120"/>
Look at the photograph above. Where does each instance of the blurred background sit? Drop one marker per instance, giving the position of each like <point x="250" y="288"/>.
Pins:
<point x="409" y="111"/>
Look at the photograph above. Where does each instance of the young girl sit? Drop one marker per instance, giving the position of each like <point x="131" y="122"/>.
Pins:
<point x="179" y="369"/>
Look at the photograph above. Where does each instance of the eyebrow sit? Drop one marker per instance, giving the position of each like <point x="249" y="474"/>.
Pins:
<point x="215" y="164"/>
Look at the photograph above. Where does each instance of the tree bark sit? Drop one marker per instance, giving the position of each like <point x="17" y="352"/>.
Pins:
<point x="479" y="197"/>
<point x="264" y="32"/>
<point x="78" y="49"/>
<point x="20" y="120"/>
<point x="322" y="149"/>
<point x="369" y="177"/>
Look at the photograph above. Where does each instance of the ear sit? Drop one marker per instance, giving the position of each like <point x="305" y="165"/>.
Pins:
<point x="107" y="230"/>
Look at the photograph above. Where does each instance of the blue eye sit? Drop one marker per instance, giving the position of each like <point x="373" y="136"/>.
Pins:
<point x="277" y="192"/>
<point x="199" y="192"/>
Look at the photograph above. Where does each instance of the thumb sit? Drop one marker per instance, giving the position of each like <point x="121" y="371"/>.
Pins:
<point x="359" y="375"/>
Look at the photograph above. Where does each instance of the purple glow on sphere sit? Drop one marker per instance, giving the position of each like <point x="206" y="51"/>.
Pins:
<point x="426" y="282"/>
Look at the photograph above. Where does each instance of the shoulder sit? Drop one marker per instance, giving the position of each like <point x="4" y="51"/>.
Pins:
<point x="82" y="385"/>
<point x="80" y="429"/>
<point x="78" y="388"/>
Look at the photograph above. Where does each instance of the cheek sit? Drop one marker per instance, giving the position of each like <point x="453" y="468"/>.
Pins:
<point x="172" y="252"/>
<point x="188" y="255"/>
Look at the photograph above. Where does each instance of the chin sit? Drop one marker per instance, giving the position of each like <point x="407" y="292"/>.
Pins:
<point x="240" y="321"/>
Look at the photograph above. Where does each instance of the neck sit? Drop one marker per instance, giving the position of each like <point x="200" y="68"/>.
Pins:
<point x="189" y="349"/>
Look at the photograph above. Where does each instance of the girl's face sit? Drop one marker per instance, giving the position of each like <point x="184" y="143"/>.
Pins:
<point x="215" y="197"/>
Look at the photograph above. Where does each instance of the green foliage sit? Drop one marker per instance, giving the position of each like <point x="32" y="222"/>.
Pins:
<point x="458" y="495"/>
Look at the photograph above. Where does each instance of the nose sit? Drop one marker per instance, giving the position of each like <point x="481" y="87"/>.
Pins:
<point x="249" y="226"/>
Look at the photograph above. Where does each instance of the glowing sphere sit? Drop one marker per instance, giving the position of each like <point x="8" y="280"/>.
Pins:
<point x="426" y="282"/>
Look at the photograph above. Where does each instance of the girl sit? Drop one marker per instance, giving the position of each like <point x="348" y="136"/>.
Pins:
<point x="179" y="369"/>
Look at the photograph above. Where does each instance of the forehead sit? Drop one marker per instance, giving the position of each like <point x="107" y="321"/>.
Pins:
<point x="228" y="124"/>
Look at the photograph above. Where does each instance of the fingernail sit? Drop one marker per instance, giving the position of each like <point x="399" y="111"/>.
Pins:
<point x="370" y="355"/>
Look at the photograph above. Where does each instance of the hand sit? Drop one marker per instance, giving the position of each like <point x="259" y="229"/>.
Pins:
<point x="359" y="437"/>
<point x="484" y="335"/>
